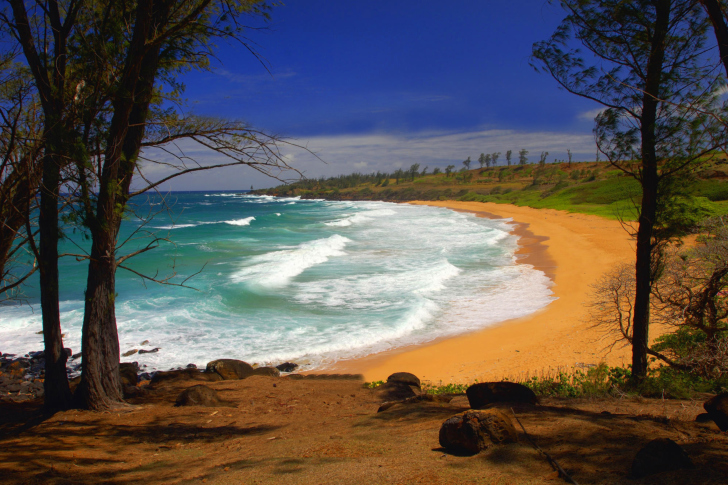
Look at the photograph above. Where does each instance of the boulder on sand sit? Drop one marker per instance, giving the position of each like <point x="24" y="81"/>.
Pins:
<point x="198" y="395"/>
<point x="287" y="367"/>
<point x="659" y="455"/>
<point x="485" y="393"/>
<point x="231" y="369"/>
<point x="266" y="371"/>
<point x="474" y="431"/>
<point x="717" y="409"/>
<point x="183" y="374"/>
<point x="404" y="378"/>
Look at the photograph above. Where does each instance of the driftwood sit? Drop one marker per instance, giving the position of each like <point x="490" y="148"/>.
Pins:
<point x="554" y="464"/>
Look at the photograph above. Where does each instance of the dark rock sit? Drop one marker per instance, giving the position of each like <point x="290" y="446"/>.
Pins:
<point x="133" y="391"/>
<point x="287" y="367"/>
<point x="396" y="391"/>
<point x="153" y="351"/>
<point x="68" y="351"/>
<point x="717" y="408"/>
<point x="37" y="355"/>
<point x="173" y="375"/>
<point x="146" y="342"/>
<point x="404" y="378"/>
<point x="659" y="455"/>
<point x="18" y="364"/>
<point x="130" y="352"/>
<point x="73" y="383"/>
<point x="198" y="396"/>
<point x="231" y="369"/>
<point x="267" y="371"/>
<point x="129" y="371"/>
<point x="76" y="356"/>
<point x="703" y="418"/>
<point x="485" y="393"/>
<point x="191" y="366"/>
<point x="474" y="431"/>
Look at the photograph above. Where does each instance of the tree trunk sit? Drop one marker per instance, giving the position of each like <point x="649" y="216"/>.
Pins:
<point x="100" y="383"/>
<point x="717" y="18"/>
<point x="56" y="388"/>
<point x="100" y="386"/>
<point x="650" y="179"/>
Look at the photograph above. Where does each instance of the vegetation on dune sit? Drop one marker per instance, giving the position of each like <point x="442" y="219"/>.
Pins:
<point x="584" y="187"/>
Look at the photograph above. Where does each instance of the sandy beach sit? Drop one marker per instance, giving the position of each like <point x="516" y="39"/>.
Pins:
<point x="574" y="250"/>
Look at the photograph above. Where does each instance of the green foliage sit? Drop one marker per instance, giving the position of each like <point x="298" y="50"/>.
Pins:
<point x="600" y="380"/>
<point x="445" y="388"/>
<point x="372" y="385"/>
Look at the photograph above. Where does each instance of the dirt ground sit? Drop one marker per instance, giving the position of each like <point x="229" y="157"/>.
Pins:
<point x="316" y="430"/>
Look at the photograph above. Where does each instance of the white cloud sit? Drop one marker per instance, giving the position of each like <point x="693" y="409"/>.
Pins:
<point x="591" y="114"/>
<point x="378" y="151"/>
<point x="387" y="152"/>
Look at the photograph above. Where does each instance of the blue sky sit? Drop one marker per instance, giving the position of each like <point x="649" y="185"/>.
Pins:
<point x="379" y="85"/>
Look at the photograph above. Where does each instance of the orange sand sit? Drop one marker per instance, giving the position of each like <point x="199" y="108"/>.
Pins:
<point x="579" y="249"/>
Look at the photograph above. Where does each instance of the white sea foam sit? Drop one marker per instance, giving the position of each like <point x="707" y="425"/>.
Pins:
<point x="241" y="222"/>
<point x="277" y="268"/>
<point x="302" y="291"/>
<point x="176" y="226"/>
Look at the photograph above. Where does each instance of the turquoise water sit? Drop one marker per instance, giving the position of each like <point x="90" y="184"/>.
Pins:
<point x="282" y="279"/>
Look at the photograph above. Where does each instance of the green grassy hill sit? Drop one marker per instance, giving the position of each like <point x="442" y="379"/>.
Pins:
<point x="586" y="187"/>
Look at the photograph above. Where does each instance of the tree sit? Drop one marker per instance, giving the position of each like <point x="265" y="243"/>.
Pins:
<point x="20" y="142"/>
<point x="568" y="152"/>
<point x="508" y="157"/>
<point x="717" y="15"/>
<point x="688" y="295"/>
<point x="542" y="160"/>
<point x="522" y="158"/>
<point x="436" y="171"/>
<point x="494" y="158"/>
<point x="657" y="88"/>
<point x="481" y="160"/>
<point x="449" y="169"/>
<point x="413" y="171"/>
<point x="100" y="71"/>
<point x="467" y="162"/>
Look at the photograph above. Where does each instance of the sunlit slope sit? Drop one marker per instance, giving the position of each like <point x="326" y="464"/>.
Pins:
<point x="586" y="187"/>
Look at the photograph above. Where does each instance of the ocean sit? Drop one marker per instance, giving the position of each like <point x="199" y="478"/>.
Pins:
<point x="287" y="279"/>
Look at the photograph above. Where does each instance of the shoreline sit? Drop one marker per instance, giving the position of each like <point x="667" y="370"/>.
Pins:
<point x="573" y="250"/>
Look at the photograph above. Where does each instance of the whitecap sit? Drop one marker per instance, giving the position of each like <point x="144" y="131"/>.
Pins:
<point x="278" y="268"/>
<point x="176" y="226"/>
<point x="241" y="222"/>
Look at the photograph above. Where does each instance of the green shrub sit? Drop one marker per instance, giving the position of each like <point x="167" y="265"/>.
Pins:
<point x="445" y="389"/>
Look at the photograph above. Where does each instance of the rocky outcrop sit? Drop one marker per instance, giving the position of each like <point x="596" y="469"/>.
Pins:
<point x="659" y="455"/>
<point x="266" y="371"/>
<point x="199" y="395"/>
<point x="404" y="378"/>
<point x="230" y="369"/>
<point x="474" y="431"/>
<point x="129" y="372"/>
<point x="399" y="386"/>
<point x="173" y="375"/>
<point x="486" y="393"/>
<point x="717" y="409"/>
<point x="287" y="367"/>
